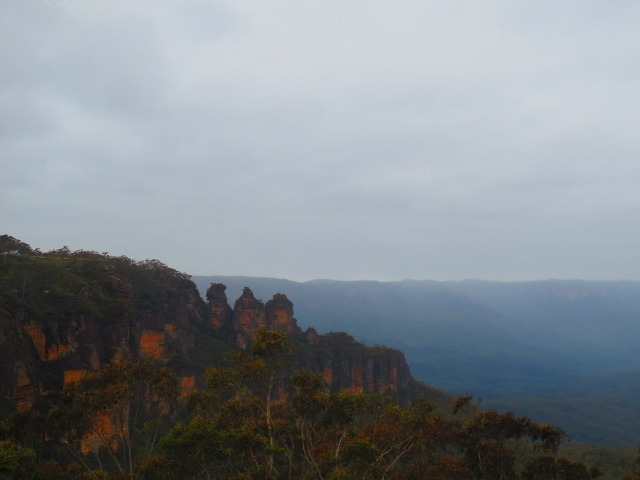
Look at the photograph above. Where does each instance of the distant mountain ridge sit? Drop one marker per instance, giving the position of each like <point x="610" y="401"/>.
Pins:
<point x="546" y="349"/>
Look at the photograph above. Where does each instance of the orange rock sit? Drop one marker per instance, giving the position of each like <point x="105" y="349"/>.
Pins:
<point x="39" y="340"/>
<point x="106" y="432"/>
<point x="170" y="330"/>
<point x="152" y="344"/>
<point x="356" y="381"/>
<point x="22" y="375"/>
<point x="73" y="375"/>
<point x="187" y="385"/>
<point x="25" y="397"/>
<point x="54" y="352"/>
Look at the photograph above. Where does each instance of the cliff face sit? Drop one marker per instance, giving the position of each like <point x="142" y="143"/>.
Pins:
<point x="346" y="364"/>
<point x="250" y="314"/>
<point x="63" y="314"/>
<point x="220" y="312"/>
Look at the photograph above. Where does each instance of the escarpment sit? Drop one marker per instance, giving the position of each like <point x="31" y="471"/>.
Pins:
<point x="63" y="314"/>
<point x="346" y="364"/>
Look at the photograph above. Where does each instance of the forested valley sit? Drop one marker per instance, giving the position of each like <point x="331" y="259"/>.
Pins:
<point x="562" y="352"/>
<point x="112" y="368"/>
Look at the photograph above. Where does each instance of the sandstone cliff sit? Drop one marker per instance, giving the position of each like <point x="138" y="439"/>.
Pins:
<point x="64" y="313"/>
<point x="346" y="364"/>
<point x="250" y="314"/>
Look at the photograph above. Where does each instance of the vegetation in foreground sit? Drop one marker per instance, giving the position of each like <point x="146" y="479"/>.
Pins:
<point x="255" y="419"/>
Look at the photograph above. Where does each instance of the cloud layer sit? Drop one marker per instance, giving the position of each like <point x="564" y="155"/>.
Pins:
<point x="441" y="140"/>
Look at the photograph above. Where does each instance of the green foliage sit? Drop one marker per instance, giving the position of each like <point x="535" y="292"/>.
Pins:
<point x="207" y="351"/>
<point x="8" y="462"/>
<point x="273" y="346"/>
<point x="249" y="423"/>
<point x="12" y="457"/>
<point x="239" y="431"/>
<point x="117" y="413"/>
<point x="615" y="462"/>
<point x="72" y="285"/>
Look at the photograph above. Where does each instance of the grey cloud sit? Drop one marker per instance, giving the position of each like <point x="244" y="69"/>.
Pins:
<point x="415" y="139"/>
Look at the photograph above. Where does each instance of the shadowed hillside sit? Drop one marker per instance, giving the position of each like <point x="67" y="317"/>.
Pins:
<point x="551" y="349"/>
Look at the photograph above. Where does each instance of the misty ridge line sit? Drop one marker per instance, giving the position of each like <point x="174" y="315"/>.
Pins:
<point x="532" y="347"/>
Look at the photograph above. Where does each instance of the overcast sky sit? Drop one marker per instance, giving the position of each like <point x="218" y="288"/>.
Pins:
<point x="327" y="139"/>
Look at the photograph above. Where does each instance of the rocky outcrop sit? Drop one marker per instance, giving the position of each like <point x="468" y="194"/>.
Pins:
<point x="220" y="312"/>
<point x="66" y="314"/>
<point x="250" y="314"/>
<point x="279" y="315"/>
<point x="346" y="364"/>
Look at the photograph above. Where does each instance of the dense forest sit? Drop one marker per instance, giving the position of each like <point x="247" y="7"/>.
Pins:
<point x="87" y="394"/>
<point x="123" y="422"/>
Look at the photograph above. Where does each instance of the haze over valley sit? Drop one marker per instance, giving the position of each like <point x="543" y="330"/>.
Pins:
<point x="564" y="352"/>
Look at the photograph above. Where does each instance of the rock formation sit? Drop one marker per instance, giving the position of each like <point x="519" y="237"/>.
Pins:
<point x="220" y="312"/>
<point x="63" y="314"/>
<point x="346" y="364"/>
<point x="250" y="314"/>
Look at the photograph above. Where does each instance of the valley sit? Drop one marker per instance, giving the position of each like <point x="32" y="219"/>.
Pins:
<point x="562" y="352"/>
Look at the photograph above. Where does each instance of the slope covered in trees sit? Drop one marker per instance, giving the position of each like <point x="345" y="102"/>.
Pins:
<point x="113" y="368"/>
<point x="563" y="352"/>
<point x="124" y="421"/>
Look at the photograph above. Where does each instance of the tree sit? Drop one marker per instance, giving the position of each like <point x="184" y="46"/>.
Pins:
<point x="12" y="456"/>
<point x="118" y="410"/>
<point x="272" y="353"/>
<point x="548" y="467"/>
<point x="240" y="421"/>
<point x="211" y="448"/>
<point x="8" y="462"/>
